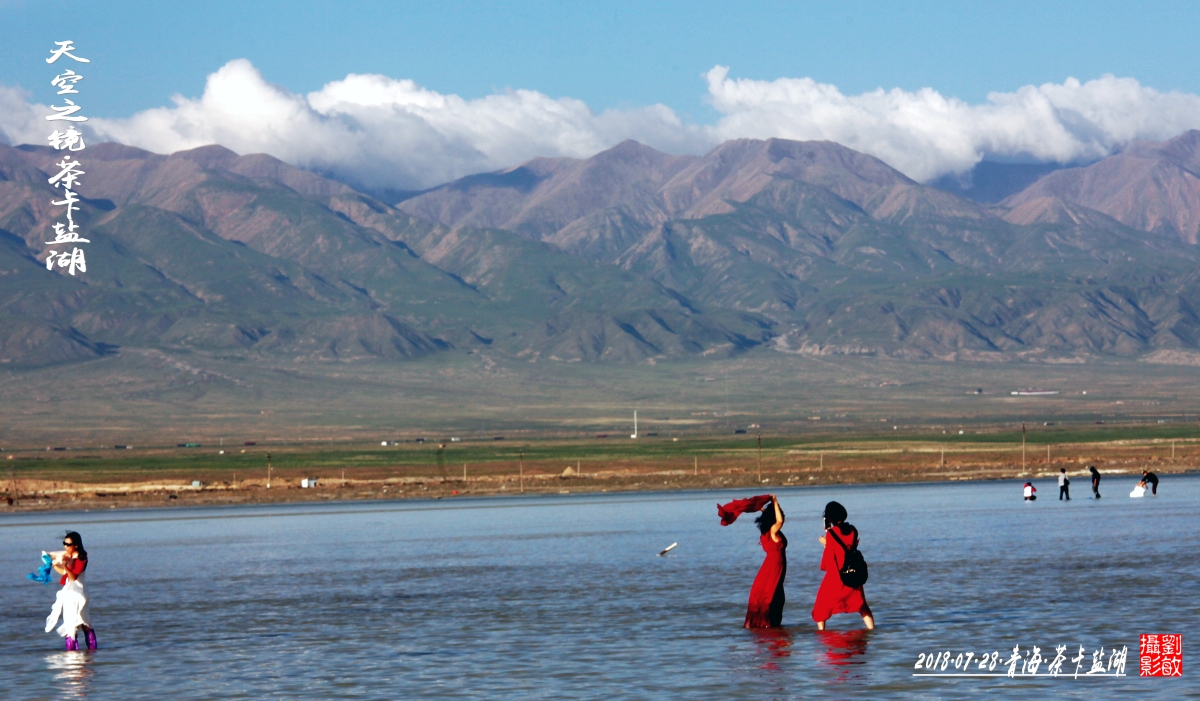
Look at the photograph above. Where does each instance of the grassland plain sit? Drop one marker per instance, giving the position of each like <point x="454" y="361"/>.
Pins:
<point x="821" y="420"/>
<point x="161" y="397"/>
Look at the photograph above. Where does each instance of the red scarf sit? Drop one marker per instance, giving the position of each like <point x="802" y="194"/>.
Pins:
<point x="737" y="507"/>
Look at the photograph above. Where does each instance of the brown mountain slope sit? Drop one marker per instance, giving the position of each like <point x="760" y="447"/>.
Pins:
<point x="1150" y="186"/>
<point x="544" y="195"/>
<point x="602" y="206"/>
<point x="1051" y="210"/>
<point x="210" y="251"/>
<point x="660" y="256"/>
<point x="123" y="174"/>
<point x="738" y="170"/>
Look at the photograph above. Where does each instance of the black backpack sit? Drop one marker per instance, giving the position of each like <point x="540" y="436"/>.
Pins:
<point x="854" y="566"/>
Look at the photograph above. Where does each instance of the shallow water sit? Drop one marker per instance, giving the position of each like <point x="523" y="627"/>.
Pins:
<point x="563" y="597"/>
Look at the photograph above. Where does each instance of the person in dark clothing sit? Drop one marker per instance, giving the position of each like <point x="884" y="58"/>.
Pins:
<point x="1064" y="485"/>
<point x="1151" y="479"/>
<point x="1095" y="480"/>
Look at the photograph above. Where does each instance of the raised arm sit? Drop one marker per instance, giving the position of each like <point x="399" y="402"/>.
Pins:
<point x="69" y="566"/>
<point x="778" y="520"/>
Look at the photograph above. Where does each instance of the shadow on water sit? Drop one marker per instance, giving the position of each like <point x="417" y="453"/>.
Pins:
<point x="72" y="673"/>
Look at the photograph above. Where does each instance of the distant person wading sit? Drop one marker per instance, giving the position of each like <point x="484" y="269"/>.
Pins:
<point x="1149" y="479"/>
<point x="1095" y="481"/>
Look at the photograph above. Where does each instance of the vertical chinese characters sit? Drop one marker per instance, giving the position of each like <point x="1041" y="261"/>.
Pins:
<point x="70" y="140"/>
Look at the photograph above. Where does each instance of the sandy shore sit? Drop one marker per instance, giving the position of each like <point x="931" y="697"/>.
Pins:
<point x="43" y="495"/>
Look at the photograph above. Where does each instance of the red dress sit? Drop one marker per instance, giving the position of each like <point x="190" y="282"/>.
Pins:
<point x="765" y="609"/>
<point x="833" y="596"/>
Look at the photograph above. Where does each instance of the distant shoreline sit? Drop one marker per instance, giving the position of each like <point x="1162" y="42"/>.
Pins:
<point x="46" y="496"/>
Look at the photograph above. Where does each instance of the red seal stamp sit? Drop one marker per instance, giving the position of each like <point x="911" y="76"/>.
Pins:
<point x="1161" y="655"/>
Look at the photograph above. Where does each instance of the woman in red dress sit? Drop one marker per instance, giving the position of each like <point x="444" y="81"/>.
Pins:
<point x="765" y="609"/>
<point x="833" y="596"/>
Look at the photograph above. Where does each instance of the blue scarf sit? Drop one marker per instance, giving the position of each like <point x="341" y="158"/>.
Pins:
<point x="43" y="573"/>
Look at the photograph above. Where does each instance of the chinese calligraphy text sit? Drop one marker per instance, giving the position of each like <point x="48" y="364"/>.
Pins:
<point x="1100" y="663"/>
<point x="68" y="140"/>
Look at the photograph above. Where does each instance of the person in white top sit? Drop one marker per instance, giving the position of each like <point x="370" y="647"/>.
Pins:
<point x="1029" y="492"/>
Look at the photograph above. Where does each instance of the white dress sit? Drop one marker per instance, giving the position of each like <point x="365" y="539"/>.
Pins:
<point x="72" y="605"/>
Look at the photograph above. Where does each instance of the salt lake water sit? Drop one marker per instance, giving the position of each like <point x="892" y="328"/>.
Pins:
<point x="564" y="597"/>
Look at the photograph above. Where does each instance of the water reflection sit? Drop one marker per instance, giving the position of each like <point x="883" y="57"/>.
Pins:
<point x="843" y="650"/>
<point x="72" y="673"/>
<point x="772" y="644"/>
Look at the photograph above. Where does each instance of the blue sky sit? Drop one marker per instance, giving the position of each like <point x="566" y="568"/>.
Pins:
<point x="931" y="87"/>
<point x="608" y="54"/>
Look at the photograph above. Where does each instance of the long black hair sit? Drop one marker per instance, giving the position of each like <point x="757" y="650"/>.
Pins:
<point x="767" y="518"/>
<point x="80" y="553"/>
<point x="835" y="515"/>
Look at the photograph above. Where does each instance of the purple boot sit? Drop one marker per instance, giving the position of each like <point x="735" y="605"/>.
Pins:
<point x="91" y="639"/>
<point x="71" y="644"/>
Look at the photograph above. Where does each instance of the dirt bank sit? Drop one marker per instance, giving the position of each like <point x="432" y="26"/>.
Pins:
<point x="44" y="495"/>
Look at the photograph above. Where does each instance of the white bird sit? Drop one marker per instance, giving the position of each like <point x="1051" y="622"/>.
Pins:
<point x="668" y="549"/>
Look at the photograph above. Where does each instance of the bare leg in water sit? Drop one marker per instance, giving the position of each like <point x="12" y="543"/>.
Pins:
<point x="868" y="621"/>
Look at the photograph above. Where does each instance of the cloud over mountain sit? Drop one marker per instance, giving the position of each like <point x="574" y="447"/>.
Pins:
<point x="381" y="132"/>
<point x="925" y="134"/>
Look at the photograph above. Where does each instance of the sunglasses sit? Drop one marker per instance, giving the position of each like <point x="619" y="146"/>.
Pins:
<point x="68" y="544"/>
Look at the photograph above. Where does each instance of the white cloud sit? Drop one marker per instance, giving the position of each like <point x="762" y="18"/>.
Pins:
<point x="21" y="122"/>
<point x="384" y="132"/>
<point x="925" y="134"/>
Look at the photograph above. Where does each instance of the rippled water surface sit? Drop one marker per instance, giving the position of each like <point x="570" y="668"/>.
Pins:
<point x="564" y="597"/>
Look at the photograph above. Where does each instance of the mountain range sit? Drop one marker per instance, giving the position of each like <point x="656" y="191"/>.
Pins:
<point x="633" y="254"/>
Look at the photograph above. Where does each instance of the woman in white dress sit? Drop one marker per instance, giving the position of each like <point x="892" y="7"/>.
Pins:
<point x="71" y="602"/>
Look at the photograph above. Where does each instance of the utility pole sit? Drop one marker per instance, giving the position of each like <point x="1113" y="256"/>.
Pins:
<point x="1047" y="453"/>
<point x="521" y="470"/>
<point x="1022" y="446"/>
<point x="1172" y="450"/>
<point x="268" y="470"/>
<point x="695" y="466"/>
<point x="726" y="373"/>
<point x="760" y="458"/>
<point x="943" y="456"/>
<point x="464" y="472"/>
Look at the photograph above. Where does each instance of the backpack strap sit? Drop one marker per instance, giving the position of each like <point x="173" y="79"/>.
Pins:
<point x="853" y="545"/>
